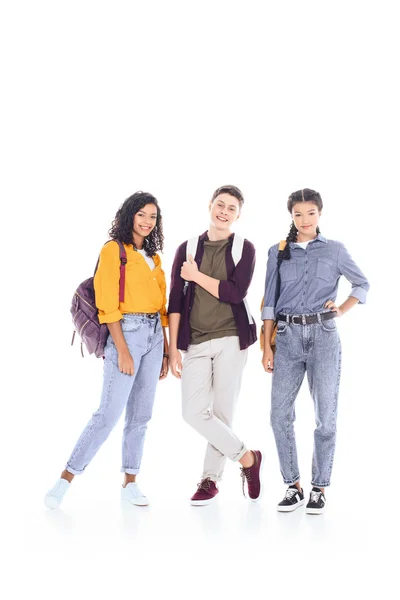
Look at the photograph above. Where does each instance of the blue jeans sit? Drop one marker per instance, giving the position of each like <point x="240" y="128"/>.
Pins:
<point x="316" y="349"/>
<point x="145" y="340"/>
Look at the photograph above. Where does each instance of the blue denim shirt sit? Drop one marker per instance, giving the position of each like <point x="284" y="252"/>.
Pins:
<point x="310" y="278"/>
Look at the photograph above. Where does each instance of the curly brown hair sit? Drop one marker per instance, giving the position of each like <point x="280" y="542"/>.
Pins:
<point x="122" y="226"/>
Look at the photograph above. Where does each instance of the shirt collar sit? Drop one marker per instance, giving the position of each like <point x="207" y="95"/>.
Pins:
<point x="204" y="237"/>
<point x="319" y="238"/>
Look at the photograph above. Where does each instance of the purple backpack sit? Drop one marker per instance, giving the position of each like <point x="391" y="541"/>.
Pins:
<point x="85" y="313"/>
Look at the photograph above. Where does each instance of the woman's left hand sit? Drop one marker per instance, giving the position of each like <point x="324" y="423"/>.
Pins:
<point x="332" y="306"/>
<point x="164" y="368"/>
<point x="189" y="269"/>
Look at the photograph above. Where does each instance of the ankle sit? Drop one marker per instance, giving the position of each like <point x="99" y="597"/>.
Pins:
<point x="67" y="476"/>
<point x="247" y="459"/>
<point x="129" y="479"/>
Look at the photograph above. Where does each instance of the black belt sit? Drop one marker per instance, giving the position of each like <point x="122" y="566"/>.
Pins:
<point x="149" y="315"/>
<point x="303" y="320"/>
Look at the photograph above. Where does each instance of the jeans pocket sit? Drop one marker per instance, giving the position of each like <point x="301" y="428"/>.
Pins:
<point x="131" y="325"/>
<point x="281" y="328"/>
<point x="328" y="325"/>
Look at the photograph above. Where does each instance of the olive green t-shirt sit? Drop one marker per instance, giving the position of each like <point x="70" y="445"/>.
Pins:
<point x="210" y="318"/>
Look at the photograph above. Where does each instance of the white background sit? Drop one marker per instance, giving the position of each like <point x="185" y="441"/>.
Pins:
<point x="101" y="99"/>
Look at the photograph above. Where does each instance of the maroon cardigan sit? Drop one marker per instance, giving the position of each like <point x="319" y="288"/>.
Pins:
<point x="233" y="290"/>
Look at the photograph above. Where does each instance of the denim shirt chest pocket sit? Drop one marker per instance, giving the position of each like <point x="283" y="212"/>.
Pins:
<point x="325" y="270"/>
<point x="288" y="270"/>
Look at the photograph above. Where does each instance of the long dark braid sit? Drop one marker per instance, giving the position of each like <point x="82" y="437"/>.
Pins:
<point x="305" y="195"/>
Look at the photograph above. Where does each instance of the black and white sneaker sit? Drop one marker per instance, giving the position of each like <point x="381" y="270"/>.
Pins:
<point x="292" y="500"/>
<point x="316" y="503"/>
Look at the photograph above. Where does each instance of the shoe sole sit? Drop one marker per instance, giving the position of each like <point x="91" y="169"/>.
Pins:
<point x="51" y="502"/>
<point x="137" y="503"/>
<point x="290" y="508"/>
<point x="315" y="511"/>
<point x="260" y="478"/>
<point x="202" y="502"/>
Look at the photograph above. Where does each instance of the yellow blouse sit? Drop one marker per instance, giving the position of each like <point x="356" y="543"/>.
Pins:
<point x="145" y="289"/>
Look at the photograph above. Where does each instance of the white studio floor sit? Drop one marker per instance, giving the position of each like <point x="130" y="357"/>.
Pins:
<point x="95" y="546"/>
<point x="99" y="545"/>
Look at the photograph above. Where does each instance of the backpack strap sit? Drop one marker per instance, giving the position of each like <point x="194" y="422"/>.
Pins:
<point x="237" y="248"/>
<point x="282" y="246"/>
<point x="237" y="251"/>
<point x="123" y="260"/>
<point x="191" y="247"/>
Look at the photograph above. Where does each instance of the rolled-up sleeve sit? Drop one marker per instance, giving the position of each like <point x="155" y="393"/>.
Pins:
<point x="176" y="295"/>
<point x="234" y="289"/>
<point x="268" y="309"/>
<point x="106" y="284"/>
<point x="353" y="273"/>
<point x="163" y="287"/>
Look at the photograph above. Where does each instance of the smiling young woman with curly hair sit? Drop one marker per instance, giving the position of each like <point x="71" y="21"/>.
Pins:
<point x="136" y="353"/>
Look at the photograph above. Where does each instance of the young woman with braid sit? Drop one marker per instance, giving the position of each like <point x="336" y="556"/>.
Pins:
<point x="309" y="269"/>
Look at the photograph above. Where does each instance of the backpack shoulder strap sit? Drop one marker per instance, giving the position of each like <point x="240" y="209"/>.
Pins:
<point x="237" y="251"/>
<point x="191" y="247"/>
<point x="282" y="245"/>
<point x="237" y="248"/>
<point x="123" y="260"/>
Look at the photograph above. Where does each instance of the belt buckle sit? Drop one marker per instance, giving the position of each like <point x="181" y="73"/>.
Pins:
<point x="303" y="320"/>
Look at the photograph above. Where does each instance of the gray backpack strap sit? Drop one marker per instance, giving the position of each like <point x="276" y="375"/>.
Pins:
<point x="191" y="248"/>
<point x="237" y="251"/>
<point x="237" y="248"/>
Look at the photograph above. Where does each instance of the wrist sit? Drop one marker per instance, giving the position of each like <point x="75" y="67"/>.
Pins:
<point x="123" y="350"/>
<point x="196" y="277"/>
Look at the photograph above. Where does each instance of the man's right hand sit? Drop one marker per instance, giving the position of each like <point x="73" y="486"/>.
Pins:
<point x="175" y="362"/>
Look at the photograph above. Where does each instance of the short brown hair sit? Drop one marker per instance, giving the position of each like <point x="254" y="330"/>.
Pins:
<point x="232" y="190"/>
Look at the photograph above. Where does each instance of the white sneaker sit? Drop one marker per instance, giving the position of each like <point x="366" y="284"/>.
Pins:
<point x="133" y="494"/>
<point x="54" y="497"/>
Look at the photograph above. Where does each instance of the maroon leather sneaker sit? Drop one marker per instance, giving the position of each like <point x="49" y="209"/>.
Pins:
<point x="252" y="476"/>
<point x="206" y="492"/>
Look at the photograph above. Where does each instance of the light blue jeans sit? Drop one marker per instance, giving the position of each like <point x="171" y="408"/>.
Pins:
<point x="145" y="340"/>
<point x="314" y="349"/>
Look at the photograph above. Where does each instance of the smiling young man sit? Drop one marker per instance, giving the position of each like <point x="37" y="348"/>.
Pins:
<point x="210" y="321"/>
